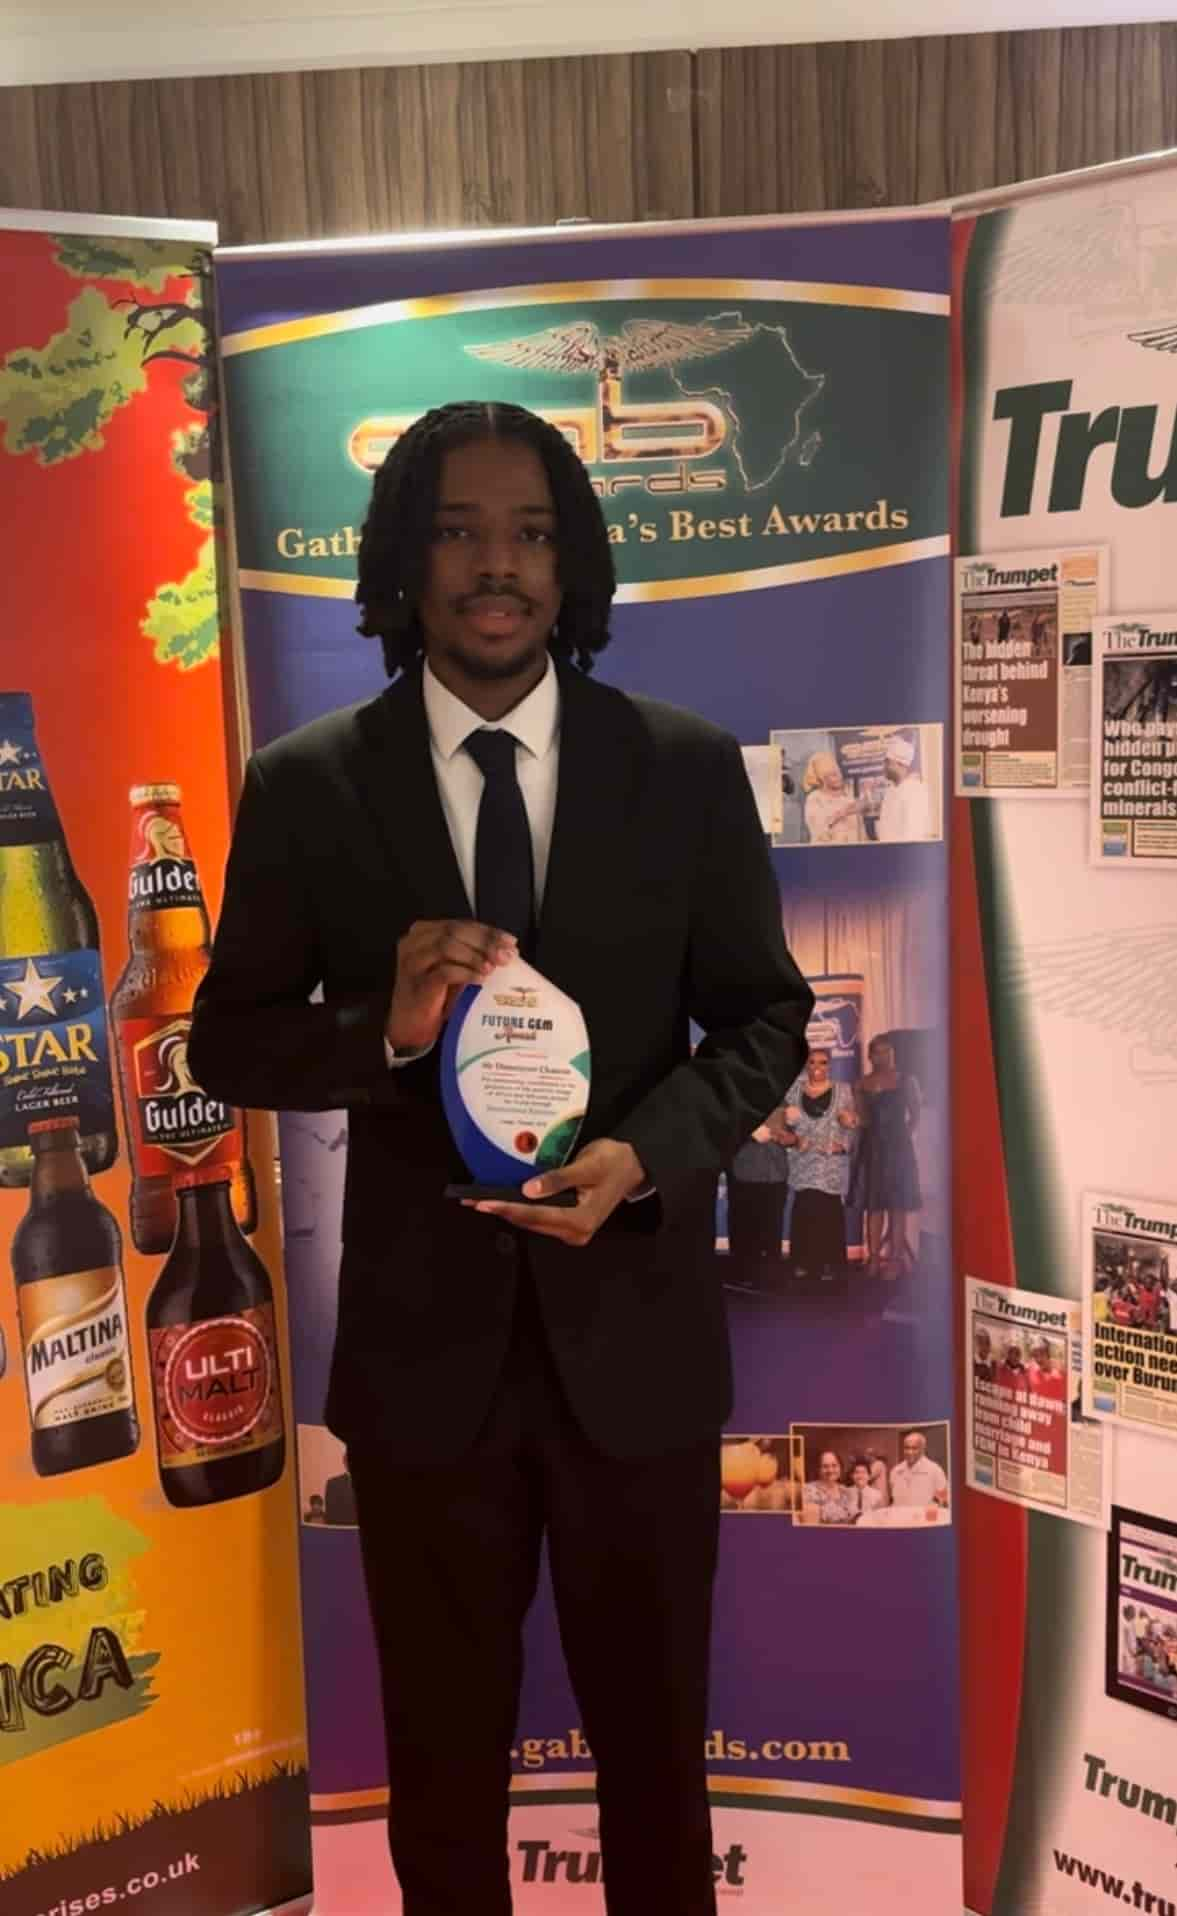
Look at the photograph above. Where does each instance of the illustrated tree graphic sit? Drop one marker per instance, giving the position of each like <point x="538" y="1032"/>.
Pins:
<point x="56" y="400"/>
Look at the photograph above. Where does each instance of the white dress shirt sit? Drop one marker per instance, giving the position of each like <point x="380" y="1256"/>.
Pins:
<point x="920" y="1483"/>
<point x="535" y="725"/>
<point x="906" y="812"/>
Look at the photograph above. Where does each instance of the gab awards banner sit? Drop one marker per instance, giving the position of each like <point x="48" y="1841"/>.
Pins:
<point x="151" y="1717"/>
<point x="779" y="520"/>
<point x="1066" y="1053"/>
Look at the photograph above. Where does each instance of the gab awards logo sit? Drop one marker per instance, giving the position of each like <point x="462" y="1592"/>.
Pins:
<point x="670" y="445"/>
<point x="732" y="430"/>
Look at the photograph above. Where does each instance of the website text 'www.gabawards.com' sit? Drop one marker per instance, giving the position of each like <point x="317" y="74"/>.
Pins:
<point x="536" y="1752"/>
<point x="1133" y="1894"/>
<point x="151" y="1879"/>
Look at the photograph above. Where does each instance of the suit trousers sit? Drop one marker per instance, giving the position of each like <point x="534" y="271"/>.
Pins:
<point x="451" y="1561"/>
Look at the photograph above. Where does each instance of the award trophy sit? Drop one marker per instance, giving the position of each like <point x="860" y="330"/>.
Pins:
<point x="514" y="1081"/>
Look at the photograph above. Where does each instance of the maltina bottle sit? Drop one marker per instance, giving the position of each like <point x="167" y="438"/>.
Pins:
<point x="67" y="1259"/>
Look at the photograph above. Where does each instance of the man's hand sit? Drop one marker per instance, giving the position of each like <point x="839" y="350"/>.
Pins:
<point x="435" y="960"/>
<point x="603" y="1175"/>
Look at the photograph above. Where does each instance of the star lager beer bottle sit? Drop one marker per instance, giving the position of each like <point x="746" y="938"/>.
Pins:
<point x="67" y="1258"/>
<point x="171" y="1124"/>
<point x="219" y="1430"/>
<point x="54" y="1055"/>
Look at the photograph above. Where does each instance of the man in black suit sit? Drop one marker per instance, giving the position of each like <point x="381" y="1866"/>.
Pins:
<point x="509" y="1372"/>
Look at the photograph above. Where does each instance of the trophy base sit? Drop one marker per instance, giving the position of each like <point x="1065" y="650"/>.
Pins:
<point x="506" y="1194"/>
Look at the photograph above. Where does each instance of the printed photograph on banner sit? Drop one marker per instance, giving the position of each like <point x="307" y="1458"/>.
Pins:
<point x="1026" y="1438"/>
<point x="1142" y="1611"/>
<point x="1130" y="1311"/>
<point x="325" y="1493"/>
<point x="1134" y="742"/>
<point x="858" y="785"/>
<point x="1023" y="649"/>
<point x="761" y="1474"/>
<point x="875" y="1477"/>
<point x="843" y="1181"/>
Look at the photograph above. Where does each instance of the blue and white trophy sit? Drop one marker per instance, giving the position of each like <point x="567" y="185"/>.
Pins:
<point x="515" y="1074"/>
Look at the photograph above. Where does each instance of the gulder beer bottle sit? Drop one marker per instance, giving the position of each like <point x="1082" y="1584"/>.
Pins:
<point x="67" y="1258"/>
<point x="213" y="1339"/>
<point x="171" y="1124"/>
<point x="54" y="1054"/>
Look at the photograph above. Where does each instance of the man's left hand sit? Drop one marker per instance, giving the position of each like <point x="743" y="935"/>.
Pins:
<point x="603" y="1175"/>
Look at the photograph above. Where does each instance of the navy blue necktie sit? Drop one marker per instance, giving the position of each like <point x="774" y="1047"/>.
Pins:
<point x="504" y="884"/>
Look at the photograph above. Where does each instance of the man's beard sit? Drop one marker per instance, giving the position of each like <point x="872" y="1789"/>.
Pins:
<point x="478" y="665"/>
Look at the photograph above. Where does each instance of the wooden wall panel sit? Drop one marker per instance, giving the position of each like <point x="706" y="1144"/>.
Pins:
<point x="894" y="122"/>
<point x="615" y="137"/>
<point x="289" y="155"/>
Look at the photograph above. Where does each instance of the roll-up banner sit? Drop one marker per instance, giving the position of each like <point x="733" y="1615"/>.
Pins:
<point x="1065" y="956"/>
<point x="152" y="1748"/>
<point x="781" y="543"/>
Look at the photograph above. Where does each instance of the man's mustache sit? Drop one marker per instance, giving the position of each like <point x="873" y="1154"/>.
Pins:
<point x="486" y="592"/>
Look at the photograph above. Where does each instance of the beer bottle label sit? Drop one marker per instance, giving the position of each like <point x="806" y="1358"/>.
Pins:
<point x="54" y="1052"/>
<point x="77" y="1357"/>
<point x="216" y="1387"/>
<point x="163" y="875"/>
<point x="174" y="1122"/>
<point x="28" y="815"/>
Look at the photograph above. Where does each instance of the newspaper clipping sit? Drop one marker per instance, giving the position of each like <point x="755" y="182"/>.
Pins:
<point x="1134" y="741"/>
<point x="1028" y="1441"/>
<point x="1130" y="1311"/>
<point x="1024" y="624"/>
<point x="1142" y="1611"/>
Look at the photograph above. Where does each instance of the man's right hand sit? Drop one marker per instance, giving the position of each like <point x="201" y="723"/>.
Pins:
<point x="435" y="960"/>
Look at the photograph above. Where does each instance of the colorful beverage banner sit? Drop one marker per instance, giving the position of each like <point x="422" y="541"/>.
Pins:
<point x="777" y="510"/>
<point x="151" y="1717"/>
<point x="1065" y="1044"/>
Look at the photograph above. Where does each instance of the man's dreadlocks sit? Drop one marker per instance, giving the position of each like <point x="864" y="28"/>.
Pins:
<point x="398" y="532"/>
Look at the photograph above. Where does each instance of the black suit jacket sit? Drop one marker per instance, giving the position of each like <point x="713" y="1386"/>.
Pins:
<point x="660" y="906"/>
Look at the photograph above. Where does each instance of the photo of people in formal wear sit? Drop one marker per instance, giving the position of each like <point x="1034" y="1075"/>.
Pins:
<point x="326" y="1496"/>
<point x="860" y="785"/>
<point x="846" y="1179"/>
<point x="761" y="1475"/>
<point x="889" y="1477"/>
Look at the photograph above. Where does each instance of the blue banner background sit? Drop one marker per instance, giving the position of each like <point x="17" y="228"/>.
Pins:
<point x="818" y="1635"/>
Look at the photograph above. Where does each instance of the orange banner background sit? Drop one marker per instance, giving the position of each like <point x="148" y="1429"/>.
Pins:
<point x="112" y="627"/>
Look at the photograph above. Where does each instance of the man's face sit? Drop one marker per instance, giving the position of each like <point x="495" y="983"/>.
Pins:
<point x="1013" y="1357"/>
<point x="913" y="1448"/>
<point x="894" y="771"/>
<point x="491" y="594"/>
<point x="861" y="1477"/>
